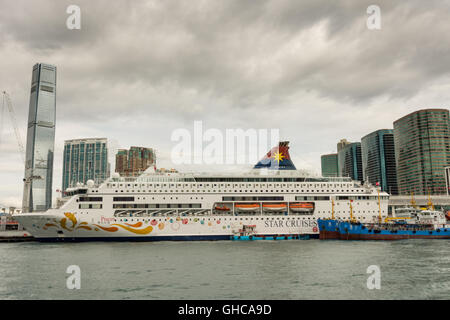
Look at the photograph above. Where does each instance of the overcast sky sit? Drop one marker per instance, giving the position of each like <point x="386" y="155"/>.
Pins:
<point x="138" y="70"/>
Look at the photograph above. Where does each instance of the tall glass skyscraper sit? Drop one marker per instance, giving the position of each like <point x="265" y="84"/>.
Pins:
<point x="329" y="164"/>
<point x="378" y="160"/>
<point x="83" y="160"/>
<point x="349" y="161"/>
<point x="422" y="151"/>
<point x="37" y="195"/>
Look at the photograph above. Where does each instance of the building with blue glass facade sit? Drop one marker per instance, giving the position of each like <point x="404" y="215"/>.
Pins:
<point x="378" y="160"/>
<point x="350" y="161"/>
<point x="329" y="164"/>
<point x="83" y="160"/>
<point x="422" y="151"/>
<point x="37" y="195"/>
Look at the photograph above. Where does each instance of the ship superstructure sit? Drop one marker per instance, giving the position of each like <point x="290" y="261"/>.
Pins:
<point x="274" y="198"/>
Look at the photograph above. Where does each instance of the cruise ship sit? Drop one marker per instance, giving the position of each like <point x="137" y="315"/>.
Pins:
<point x="273" y="198"/>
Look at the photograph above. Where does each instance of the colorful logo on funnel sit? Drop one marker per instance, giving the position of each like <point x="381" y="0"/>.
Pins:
<point x="277" y="159"/>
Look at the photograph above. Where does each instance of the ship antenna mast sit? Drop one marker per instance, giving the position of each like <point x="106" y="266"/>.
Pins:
<point x="352" y="219"/>
<point x="430" y="203"/>
<point x="379" y="205"/>
<point x="413" y="202"/>
<point x="332" y="209"/>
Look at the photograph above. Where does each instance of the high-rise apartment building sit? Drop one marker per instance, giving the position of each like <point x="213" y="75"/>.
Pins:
<point x="122" y="161"/>
<point x="378" y="160"/>
<point x="83" y="160"/>
<point x="422" y="151"/>
<point x="37" y="194"/>
<point x="134" y="161"/>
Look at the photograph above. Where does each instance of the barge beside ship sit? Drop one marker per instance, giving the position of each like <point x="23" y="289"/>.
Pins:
<point x="419" y="224"/>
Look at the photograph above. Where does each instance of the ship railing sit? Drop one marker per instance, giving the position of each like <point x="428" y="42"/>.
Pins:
<point x="162" y="212"/>
<point x="195" y="212"/>
<point x="204" y="212"/>
<point x="139" y="213"/>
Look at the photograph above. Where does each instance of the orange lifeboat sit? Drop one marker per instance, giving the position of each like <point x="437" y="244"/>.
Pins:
<point x="247" y="206"/>
<point x="274" y="207"/>
<point x="447" y="215"/>
<point x="222" y="208"/>
<point x="302" y="207"/>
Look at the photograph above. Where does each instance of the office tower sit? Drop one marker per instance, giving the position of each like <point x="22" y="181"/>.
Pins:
<point x="341" y="144"/>
<point x="83" y="160"/>
<point x="134" y="161"/>
<point x="37" y="194"/>
<point x="378" y="160"/>
<point x="350" y="162"/>
<point x="422" y="151"/>
<point x="329" y="164"/>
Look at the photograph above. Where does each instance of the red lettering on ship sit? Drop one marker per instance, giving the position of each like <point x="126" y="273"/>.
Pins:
<point x="106" y="220"/>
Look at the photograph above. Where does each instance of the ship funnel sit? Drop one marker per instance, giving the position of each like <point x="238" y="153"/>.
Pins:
<point x="277" y="158"/>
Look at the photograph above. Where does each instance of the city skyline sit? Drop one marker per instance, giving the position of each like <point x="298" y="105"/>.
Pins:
<point x="168" y="86"/>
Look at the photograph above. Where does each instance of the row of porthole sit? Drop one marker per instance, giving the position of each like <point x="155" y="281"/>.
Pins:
<point x="297" y="216"/>
<point x="208" y="219"/>
<point x="201" y="198"/>
<point x="242" y="185"/>
<point x="240" y="191"/>
<point x="221" y="185"/>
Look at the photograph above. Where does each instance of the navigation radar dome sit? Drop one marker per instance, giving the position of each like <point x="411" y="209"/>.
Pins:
<point x="90" y="183"/>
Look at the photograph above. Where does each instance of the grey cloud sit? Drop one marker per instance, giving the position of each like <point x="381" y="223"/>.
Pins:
<point x="138" y="70"/>
<point x="241" y="51"/>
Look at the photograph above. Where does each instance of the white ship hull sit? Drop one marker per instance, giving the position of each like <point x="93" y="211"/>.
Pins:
<point x="57" y="227"/>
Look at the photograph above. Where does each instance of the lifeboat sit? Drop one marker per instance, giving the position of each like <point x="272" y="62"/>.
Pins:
<point x="277" y="207"/>
<point x="447" y="215"/>
<point x="222" y="208"/>
<point x="302" y="207"/>
<point x="246" y="206"/>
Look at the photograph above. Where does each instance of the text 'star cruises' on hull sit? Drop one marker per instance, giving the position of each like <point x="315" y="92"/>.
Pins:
<point x="274" y="200"/>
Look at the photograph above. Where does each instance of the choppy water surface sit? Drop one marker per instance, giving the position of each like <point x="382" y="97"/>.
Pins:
<point x="311" y="269"/>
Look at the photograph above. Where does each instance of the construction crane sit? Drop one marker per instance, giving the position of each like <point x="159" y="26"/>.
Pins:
<point x="14" y="123"/>
<point x="40" y="162"/>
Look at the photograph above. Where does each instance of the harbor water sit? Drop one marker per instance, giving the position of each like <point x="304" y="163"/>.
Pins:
<point x="290" y="269"/>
